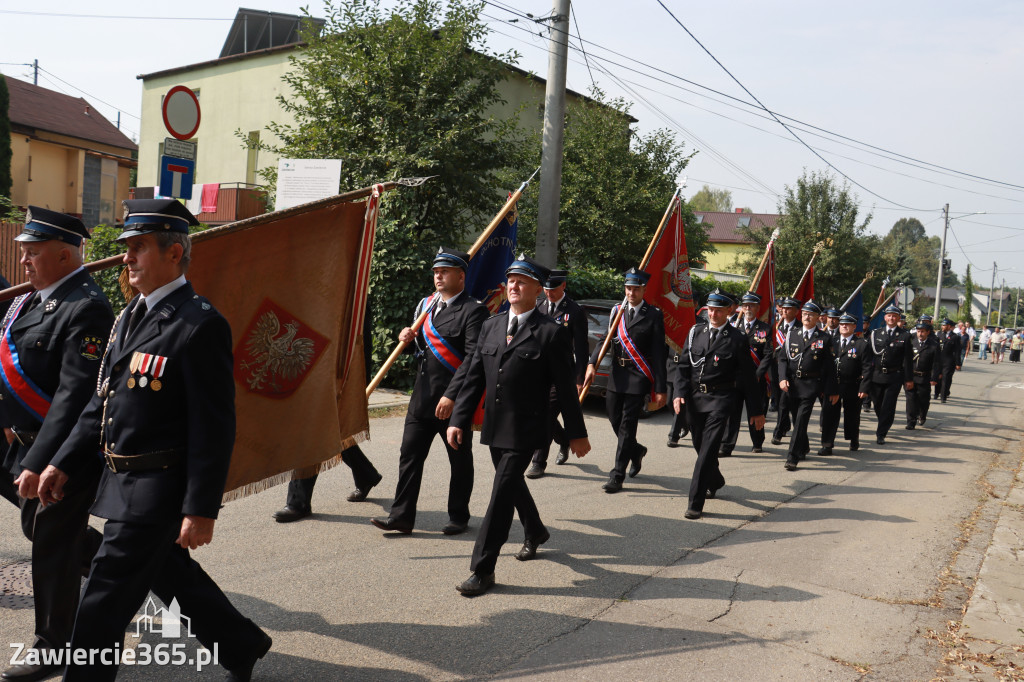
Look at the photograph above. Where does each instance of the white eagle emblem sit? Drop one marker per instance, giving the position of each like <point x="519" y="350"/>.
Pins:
<point x="284" y="356"/>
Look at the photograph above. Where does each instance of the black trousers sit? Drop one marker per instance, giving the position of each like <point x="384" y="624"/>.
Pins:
<point x="63" y="545"/>
<point x="680" y="423"/>
<point x="919" y="399"/>
<point x="848" y="408"/>
<point x="707" y="429"/>
<point x="736" y="419"/>
<point x="884" y="397"/>
<point x="782" y="426"/>
<point x="942" y="388"/>
<point x="623" y="412"/>
<point x="134" y="559"/>
<point x="556" y="432"/>
<point x="509" y="495"/>
<point x="300" y="490"/>
<point x="417" y="438"/>
<point x="800" y="410"/>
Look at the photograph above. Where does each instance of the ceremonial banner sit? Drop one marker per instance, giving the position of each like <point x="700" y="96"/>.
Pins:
<point x="766" y="289"/>
<point x="878" y="321"/>
<point x="485" y="279"/>
<point x="856" y="308"/>
<point x="670" y="286"/>
<point x="806" y="291"/>
<point x="293" y="287"/>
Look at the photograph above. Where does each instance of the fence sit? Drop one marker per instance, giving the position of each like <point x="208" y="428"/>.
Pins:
<point x="10" y="253"/>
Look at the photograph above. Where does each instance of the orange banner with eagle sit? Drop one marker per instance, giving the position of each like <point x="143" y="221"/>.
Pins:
<point x="293" y="287"/>
<point x="670" y="286"/>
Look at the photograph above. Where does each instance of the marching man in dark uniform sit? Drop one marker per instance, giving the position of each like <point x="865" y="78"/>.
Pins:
<point x="891" y="369"/>
<point x="949" y="341"/>
<point x="638" y="374"/>
<point x="50" y="353"/>
<point x="164" y="418"/>
<point x="807" y="371"/>
<point x="519" y="356"/>
<point x="557" y="305"/>
<point x="759" y="341"/>
<point x="927" y="367"/>
<point x="448" y="336"/>
<point x="789" y="320"/>
<point x="714" y="372"/>
<point x="853" y="361"/>
<point x="832" y="316"/>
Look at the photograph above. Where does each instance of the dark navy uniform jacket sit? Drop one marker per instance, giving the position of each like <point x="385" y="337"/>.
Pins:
<point x="808" y="365"/>
<point x="892" y="356"/>
<point x="518" y="378"/>
<point x="854" y="363"/>
<point x="59" y="344"/>
<point x="648" y="333"/>
<point x="949" y="342"/>
<point x="459" y="324"/>
<point x="711" y="377"/>
<point x="926" y="364"/>
<point x="193" y="413"/>
<point x="759" y="339"/>
<point x="570" y="314"/>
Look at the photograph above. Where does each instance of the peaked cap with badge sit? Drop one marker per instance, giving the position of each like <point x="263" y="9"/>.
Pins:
<point x="143" y="216"/>
<point x="524" y="265"/>
<point x="451" y="258"/>
<point x="42" y="224"/>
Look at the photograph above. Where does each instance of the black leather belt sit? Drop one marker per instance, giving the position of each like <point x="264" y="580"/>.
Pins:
<point x="800" y="374"/>
<point x="623" y="361"/>
<point x="24" y="437"/>
<point x="711" y="388"/>
<point x="918" y="374"/>
<point x="150" y="461"/>
<point x="675" y="359"/>
<point x="893" y="370"/>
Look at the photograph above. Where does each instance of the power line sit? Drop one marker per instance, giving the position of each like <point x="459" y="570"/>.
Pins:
<point x="88" y="95"/>
<point x="899" y="158"/>
<point x="579" y="36"/>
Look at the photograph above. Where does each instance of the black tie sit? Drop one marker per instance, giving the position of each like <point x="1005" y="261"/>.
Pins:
<point x="33" y="301"/>
<point x="441" y="306"/>
<point x="551" y="309"/>
<point x="631" y="311"/>
<point x="807" y="335"/>
<point x="714" y="335"/>
<point x="512" y="328"/>
<point x="845" y="341"/>
<point x="137" y="314"/>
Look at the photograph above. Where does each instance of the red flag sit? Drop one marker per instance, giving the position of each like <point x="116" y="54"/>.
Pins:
<point x="766" y="289"/>
<point x="669" y="287"/>
<point x="806" y="290"/>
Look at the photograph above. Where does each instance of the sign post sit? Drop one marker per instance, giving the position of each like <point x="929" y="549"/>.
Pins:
<point x="176" y="177"/>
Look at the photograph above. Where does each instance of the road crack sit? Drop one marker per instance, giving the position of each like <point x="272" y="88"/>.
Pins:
<point x="732" y="597"/>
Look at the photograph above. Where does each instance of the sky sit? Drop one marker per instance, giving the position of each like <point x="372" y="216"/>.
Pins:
<point x="917" y="102"/>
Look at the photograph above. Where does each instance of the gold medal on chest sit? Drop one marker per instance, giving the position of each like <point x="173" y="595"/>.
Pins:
<point x="156" y="384"/>
<point x="131" y="382"/>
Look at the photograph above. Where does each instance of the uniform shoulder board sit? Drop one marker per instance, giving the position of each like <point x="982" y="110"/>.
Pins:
<point x="202" y="303"/>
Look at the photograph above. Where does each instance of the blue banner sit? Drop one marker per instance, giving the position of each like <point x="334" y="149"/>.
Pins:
<point x="856" y="308"/>
<point x="485" y="280"/>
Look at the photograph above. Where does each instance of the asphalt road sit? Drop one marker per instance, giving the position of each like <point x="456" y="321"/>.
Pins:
<point x="842" y="569"/>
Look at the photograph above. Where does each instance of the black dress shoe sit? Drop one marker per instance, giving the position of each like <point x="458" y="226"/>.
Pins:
<point x="943" y="400"/>
<point x="725" y="453"/>
<point x="530" y="546"/>
<point x="563" y="455"/>
<point x="243" y="673"/>
<point x="910" y="426"/>
<point x="776" y="440"/>
<point x="29" y="673"/>
<point x="880" y="440"/>
<point x="854" y="445"/>
<point x="289" y="514"/>
<point x="393" y="525"/>
<point x="691" y="514"/>
<point x="360" y="493"/>
<point x="453" y="528"/>
<point x="921" y="420"/>
<point x="756" y="448"/>
<point x="475" y="584"/>
<point x="712" y="493"/>
<point x="536" y="470"/>
<point x="791" y="465"/>
<point x="613" y="485"/>
<point x="634" y="468"/>
<point x="673" y="442"/>
<point x="825" y="451"/>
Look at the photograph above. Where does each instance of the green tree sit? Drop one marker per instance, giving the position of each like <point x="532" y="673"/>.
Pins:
<point x="966" y="315"/>
<point x="5" y="140"/>
<point x="913" y="256"/>
<point x="616" y="185"/>
<point x="818" y="210"/>
<point x="708" y="199"/>
<point x="403" y="92"/>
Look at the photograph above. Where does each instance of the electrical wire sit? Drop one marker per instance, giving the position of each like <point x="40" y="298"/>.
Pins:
<point x="580" y="38"/>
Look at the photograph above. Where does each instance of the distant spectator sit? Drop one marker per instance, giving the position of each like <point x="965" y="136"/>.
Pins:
<point x="965" y="349"/>
<point x="983" y="341"/>
<point x="997" y="343"/>
<point x="1016" y="342"/>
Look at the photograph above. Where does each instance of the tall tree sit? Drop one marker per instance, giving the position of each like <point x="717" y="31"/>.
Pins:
<point x="5" y="140"/>
<point x="818" y="210"/>
<point x="966" y="313"/>
<point x="708" y="199"/>
<point x="913" y="255"/>
<point x="400" y="92"/>
<point x="616" y="184"/>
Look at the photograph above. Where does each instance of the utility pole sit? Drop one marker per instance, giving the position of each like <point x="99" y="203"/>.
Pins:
<point x="35" y="72"/>
<point x="991" y="291"/>
<point x="554" y="132"/>
<point x="942" y="262"/>
<point x="1016" y="307"/>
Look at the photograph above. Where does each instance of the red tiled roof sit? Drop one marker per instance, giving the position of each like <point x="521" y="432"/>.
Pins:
<point x="725" y="226"/>
<point x="55" y="112"/>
